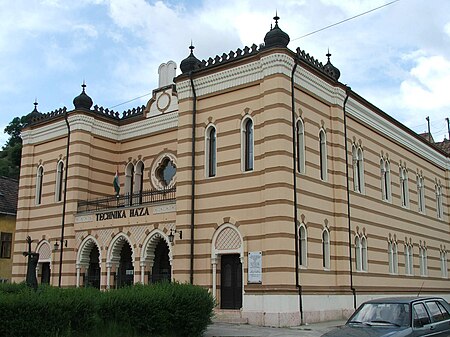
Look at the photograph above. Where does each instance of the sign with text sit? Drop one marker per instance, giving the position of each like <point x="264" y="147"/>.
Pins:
<point x="255" y="267"/>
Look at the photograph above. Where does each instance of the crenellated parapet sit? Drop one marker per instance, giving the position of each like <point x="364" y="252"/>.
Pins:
<point x="40" y="117"/>
<point x="106" y="112"/>
<point x="139" y="111"/>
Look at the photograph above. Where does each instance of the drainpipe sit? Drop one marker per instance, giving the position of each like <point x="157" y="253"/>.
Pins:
<point x="194" y="113"/>
<point x="294" y="174"/>
<point x="347" y="92"/>
<point x="64" y="200"/>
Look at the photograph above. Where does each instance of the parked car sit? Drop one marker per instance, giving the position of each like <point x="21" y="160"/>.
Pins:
<point x="398" y="317"/>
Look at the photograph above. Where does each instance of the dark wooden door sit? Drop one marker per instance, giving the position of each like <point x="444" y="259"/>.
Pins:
<point x="45" y="273"/>
<point x="231" y="282"/>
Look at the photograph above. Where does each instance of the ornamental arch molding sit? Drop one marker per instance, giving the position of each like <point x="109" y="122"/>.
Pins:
<point x="45" y="251"/>
<point x="86" y="246"/>
<point x="227" y="240"/>
<point x="116" y="246"/>
<point x="150" y="243"/>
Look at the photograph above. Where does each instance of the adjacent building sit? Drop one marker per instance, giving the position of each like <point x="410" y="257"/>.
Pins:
<point x="8" y="208"/>
<point x="255" y="174"/>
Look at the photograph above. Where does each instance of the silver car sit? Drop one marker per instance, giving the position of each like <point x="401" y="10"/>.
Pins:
<point x="398" y="317"/>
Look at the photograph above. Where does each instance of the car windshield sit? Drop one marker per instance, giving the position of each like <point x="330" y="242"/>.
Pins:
<point x="382" y="313"/>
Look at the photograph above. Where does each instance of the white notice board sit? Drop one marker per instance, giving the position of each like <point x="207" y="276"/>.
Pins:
<point x="255" y="267"/>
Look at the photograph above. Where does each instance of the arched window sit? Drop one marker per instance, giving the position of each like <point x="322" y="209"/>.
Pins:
<point x="211" y="151"/>
<point x="358" y="169"/>
<point x="303" y="248"/>
<point x="300" y="146"/>
<point x="444" y="266"/>
<point x="385" y="179"/>
<point x="39" y="183"/>
<point x="326" y="249"/>
<point x="59" y="181"/>
<point x="247" y="144"/>
<point x="395" y="257"/>
<point x="420" y="194"/>
<point x="358" y="260"/>
<point x="323" y="155"/>
<point x="129" y="181"/>
<point x="439" y="209"/>
<point x="423" y="263"/>
<point x="365" y="266"/>
<point x="138" y="182"/>
<point x="404" y="189"/>
<point x="409" y="268"/>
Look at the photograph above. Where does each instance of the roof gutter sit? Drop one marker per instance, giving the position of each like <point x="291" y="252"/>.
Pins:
<point x="352" y="288"/>
<point x="194" y="118"/>
<point x="64" y="201"/>
<point x="294" y="175"/>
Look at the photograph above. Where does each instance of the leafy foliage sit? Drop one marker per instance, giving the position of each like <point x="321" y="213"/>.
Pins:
<point x="160" y="310"/>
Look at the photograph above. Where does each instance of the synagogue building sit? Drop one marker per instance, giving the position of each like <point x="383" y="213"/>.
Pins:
<point x="255" y="174"/>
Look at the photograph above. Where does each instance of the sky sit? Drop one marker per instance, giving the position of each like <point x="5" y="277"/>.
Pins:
<point x="397" y="57"/>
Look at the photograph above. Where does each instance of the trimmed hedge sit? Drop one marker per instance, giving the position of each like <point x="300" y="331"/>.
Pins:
<point x="163" y="309"/>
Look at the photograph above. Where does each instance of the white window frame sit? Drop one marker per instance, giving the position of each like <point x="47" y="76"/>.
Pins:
<point x="364" y="254"/>
<point x="210" y="158"/>
<point x="439" y="203"/>
<point x="421" y="194"/>
<point x="444" y="264"/>
<point x="300" y="127"/>
<point x="409" y="260"/>
<point x="59" y="181"/>
<point x="385" y="167"/>
<point x="323" y="157"/>
<point x="404" y="187"/>
<point x="39" y="184"/>
<point x="303" y="245"/>
<point x="358" y="169"/>
<point x="129" y="178"/>
<point x="358" y="253"/>
<point x="245" y="148"/>
<point x="326" y="249"/>
<point x="423" y="261"/>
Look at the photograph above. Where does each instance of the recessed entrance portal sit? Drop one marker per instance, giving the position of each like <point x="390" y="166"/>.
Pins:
<point x="45" y="273"/>
<point x="125" y="271"/>
<point x="161" y="270"/>
<point x="93" y="272"/>
<point x="231" y="282"/>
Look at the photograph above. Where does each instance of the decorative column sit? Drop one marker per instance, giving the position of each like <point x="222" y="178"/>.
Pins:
<point x="78" y="274"/>
<point x="214" y="275"/>
<point x="108" y="275"/>
<point x="142" y="272"/>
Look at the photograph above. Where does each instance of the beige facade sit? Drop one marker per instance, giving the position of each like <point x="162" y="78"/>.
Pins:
<point x="371" y="214"/>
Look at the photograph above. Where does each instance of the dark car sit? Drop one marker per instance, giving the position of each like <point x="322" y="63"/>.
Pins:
<point x="398" y="317"/>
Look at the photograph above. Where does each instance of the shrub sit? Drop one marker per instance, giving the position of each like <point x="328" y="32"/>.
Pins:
<point x="163" y="309"/>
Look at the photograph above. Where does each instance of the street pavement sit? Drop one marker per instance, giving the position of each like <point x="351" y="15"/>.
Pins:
<point x="244" y="330"/>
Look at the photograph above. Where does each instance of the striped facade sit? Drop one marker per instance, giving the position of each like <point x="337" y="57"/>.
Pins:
<point x="369" y="216"/>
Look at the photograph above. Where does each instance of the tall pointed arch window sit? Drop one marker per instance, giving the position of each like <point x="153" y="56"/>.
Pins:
<point x="211" y="151"/>
<point x="444" y="263"/>
<point x="420" y="193"/>
<point x="385" y="168"/>
<point x="404" y="188"/>
<point x="59" y="181"/>
<point x="358" y="169"/>
<point x="129" y="179"/>
<point x="364" y="258"/>
<point x="409" y="258"/>
<point x="326" y="249"/>
<point x="303" y="245"/>
<point x="138" y="182"/>
<point x="423" y="261"/>
<point x="300" y="146"/>
<point x="39" y="184"/>
<point x="439" y="205"/>
<point x="358" y="260"/>
<point x="323" y="155"/>
<point x="393" y="257"/>
<point x="247" y="141"/>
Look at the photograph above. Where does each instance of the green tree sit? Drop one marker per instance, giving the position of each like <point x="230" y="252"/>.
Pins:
<point x="11" y="153"/>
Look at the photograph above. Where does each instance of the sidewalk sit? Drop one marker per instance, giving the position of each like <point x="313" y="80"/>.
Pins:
<point x="245" y="330"/>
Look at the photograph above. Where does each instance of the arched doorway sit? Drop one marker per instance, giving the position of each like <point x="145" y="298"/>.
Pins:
<point x="161" y="270"/>
<point x="93" y="271"/>
<point x="43" y="267"/>
<point x="156" y="258"/>
<point x="125" y="270"/>
<point x="89" y="263"/>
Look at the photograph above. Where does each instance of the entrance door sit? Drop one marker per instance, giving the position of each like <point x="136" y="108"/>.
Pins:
<point x="125" y="273"/>
<point x="231" y="282"/>
<point x="45" y="273"/>
<point x="93" y="273"/>
<point x="161" y="270"/>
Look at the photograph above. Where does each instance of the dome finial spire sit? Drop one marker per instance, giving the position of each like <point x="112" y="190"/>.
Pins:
<point x="35" y="104"/>
<point x="276" y="17"/>
<point x="328" y="55"/>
